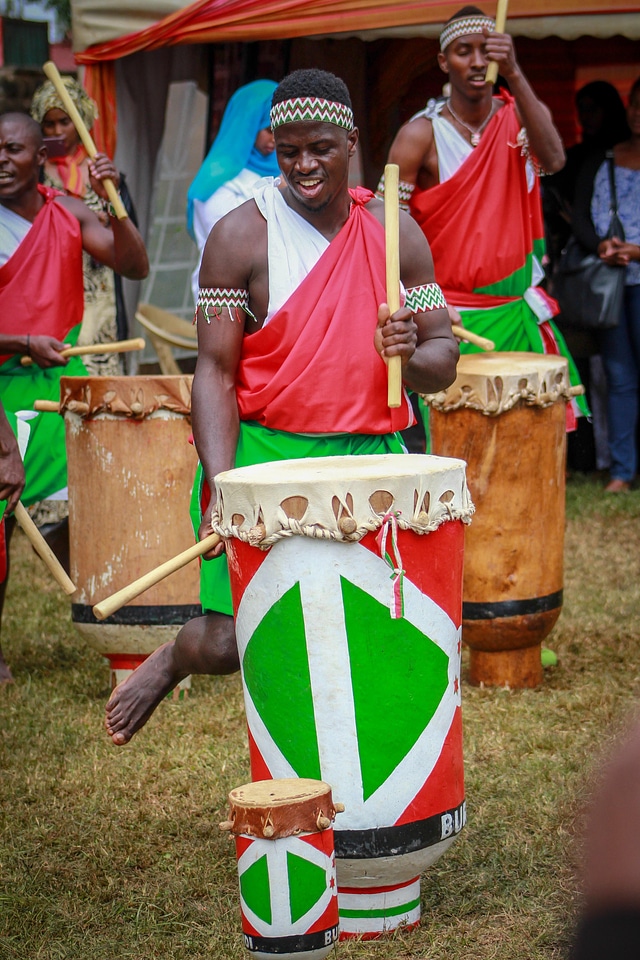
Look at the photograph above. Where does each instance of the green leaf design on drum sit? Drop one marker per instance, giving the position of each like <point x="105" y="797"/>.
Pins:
<point x="255" y="889"/>
<point x="307" y="883"/>
<point x="280" y="639"/>
<point x="399" y="677"/>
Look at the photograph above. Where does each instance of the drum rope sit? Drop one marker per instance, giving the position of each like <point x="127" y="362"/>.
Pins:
<point x="390" y="526"/>
<point x="498" y="397"/>
<point x="290" y="527"/>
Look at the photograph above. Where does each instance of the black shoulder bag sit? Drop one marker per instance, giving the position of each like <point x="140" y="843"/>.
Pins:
<point x="588" y="290"/>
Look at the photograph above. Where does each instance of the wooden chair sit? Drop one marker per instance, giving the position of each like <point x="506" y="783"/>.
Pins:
<point x="165" y="332"/>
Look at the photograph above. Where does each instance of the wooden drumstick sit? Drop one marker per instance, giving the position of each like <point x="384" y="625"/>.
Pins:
<point x="392" y="248"/>
<point x="105" y="608"/>
<point x="118" y="346"/>
<point x="501" y="19"/>
<point x="43" y="549"/>
<point x="51" y="71"/>
<point x="46" y="406"/>
<point x="473" y="338"/>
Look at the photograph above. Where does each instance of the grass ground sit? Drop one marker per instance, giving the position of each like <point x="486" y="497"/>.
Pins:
<point x="107" y="854"/>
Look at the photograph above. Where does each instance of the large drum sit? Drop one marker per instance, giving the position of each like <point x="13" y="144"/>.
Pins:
<point x="346" y="575"/>
<point x="505" y="415"/>
<point x="130" y="469"/>
<point x="286" y="867"/>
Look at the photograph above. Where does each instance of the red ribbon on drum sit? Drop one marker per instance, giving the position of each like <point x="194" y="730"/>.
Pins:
<point x="393" y="558"/>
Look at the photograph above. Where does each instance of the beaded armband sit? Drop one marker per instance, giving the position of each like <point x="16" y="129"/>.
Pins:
<point x="212" y="299"/>
<point x="405" y="190"/>
<point x="426" y="297"/>
<point x="522" y="143"/>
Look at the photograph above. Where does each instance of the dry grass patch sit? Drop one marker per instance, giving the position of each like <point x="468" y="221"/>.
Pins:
<point x="111" y="852"/>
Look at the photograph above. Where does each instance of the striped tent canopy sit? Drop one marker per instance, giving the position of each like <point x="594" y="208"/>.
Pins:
<point x="108" y="32"/>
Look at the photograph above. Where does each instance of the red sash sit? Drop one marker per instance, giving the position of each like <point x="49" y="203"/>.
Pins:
<point x="41" y="286"/>
<point x="481" y="223"/>
<point x="313" y="368"/>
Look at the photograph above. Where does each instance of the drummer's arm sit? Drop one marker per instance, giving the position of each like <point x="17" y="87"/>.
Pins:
<point x="424" y="341"/>
<point x="119" y="246"/>
<point x="214" y="409"/>
<point x="415" y="154"/>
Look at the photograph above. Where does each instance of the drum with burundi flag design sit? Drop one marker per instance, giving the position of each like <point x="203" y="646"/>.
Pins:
<point x="286" y="867"/>
<point x="346" y="575"/>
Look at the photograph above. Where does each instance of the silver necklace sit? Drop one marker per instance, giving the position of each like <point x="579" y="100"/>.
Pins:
<point x="474" y="131"/>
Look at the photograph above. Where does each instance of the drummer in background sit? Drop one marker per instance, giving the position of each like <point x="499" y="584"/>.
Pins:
<point x="42" y="236"/>
<point x="67" y="168"/>
<point x="242" y="153"/>
<point x="290" y="288"/>
<point x="469" y="169"/>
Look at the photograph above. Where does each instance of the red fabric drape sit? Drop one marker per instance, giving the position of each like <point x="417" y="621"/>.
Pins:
<point x="100" y="83"/>
<point x="218" y="21"/>
<point x="53" y="303"/>
<point x="308" y="345"/>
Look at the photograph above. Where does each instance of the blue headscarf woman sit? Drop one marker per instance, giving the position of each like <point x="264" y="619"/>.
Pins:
<point x="238" y="145"/>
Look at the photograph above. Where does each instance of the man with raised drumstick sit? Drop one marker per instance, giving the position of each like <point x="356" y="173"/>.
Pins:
<point x="293" y="328"/>
<point x="469" y="167"/>
<point x="42" y="236"/>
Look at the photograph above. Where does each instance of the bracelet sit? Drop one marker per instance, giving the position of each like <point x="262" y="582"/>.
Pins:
<point x="109" y="208"/>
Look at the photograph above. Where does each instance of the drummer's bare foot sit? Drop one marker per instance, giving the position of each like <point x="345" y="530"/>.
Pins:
<point x="205" y="645"/>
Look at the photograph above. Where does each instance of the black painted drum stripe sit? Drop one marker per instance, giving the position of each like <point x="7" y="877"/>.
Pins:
<point x="298" y="944"/>
<point x="394" y="841"/>
<point x="158" y="615"/>
<point x="511" y="608"/>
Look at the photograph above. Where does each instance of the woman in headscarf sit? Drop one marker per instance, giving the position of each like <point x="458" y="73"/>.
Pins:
<point x="69" y="172"/>
<point x="242" y="153"/>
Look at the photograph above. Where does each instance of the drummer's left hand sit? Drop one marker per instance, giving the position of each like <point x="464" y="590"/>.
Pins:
<point x="103" y="168"/>
<point x="397" y="334"/>
<point x="205" y="530"/>
<point x="499" y="48"/>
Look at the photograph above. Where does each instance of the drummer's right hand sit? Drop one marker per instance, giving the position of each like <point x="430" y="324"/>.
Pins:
<point x="45" y="351"/>
<point x="206" y="530"/>
<point x="454" y="316"/>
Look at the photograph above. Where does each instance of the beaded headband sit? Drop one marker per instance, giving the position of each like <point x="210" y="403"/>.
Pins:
<point x="311" y="108"/>
<point x="463" y="27"/>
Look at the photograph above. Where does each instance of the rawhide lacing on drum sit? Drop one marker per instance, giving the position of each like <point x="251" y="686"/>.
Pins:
<point x="261" y="505"/>
<point x="272" y="809"/>
<point x="495" y="383"/>
<point x="129" y="398"/>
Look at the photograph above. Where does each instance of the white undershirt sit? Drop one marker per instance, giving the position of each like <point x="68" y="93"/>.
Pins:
<point x="206" y="213"/>
<point x="294" y="245"/>
<point x="13" y="230"/>
<point x="452" y="148"/>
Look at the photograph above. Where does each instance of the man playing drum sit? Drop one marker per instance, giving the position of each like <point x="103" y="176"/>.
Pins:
<point x="469" y="169"/>
<point x="291" y="355"/>
<point x="42" y="236"/>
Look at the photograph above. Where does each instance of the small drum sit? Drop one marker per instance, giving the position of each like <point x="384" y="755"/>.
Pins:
<point x="286" y="867"/>
<point x="346" y="576"/>
<point x="130" y="469"/>
<point x="505" y="415"/>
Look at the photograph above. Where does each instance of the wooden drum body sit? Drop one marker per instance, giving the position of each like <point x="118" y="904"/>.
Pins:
<point x="346" y="575"/>
<point x="505" y="415"/>
<point x="130" y="469"/>
<point x="286" y="867"/>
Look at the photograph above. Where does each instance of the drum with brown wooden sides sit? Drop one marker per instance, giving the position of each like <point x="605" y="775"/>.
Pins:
<point x="130" y="469"/>
<point x="505" y="414"/>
